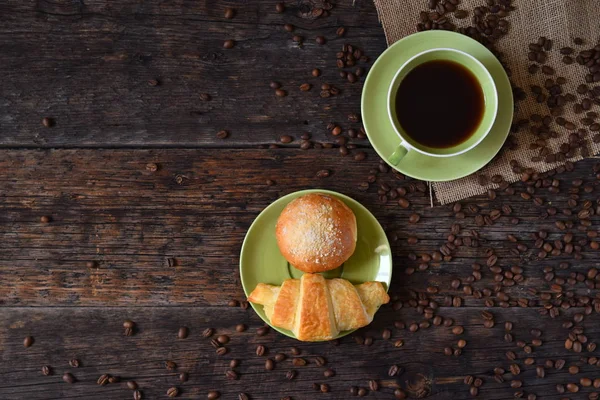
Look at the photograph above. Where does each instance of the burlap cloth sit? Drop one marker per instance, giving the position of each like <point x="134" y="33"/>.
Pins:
<point x="558" y="20"/>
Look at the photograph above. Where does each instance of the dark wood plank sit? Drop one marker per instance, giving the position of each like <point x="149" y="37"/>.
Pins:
<point x="107" y="208"/>
<point x="87" y="66"/>
<point x="94" y="336"/>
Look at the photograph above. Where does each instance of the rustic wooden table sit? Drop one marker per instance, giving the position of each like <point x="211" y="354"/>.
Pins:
<point x="122" y="83"/>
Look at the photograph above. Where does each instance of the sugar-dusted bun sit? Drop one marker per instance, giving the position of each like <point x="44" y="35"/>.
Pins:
<point x="316" y="232"/>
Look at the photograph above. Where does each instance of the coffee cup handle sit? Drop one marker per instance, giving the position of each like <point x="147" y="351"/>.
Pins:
<point x="399" y="153"/>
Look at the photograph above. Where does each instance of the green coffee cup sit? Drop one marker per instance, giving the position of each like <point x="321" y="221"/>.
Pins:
<point x="490" y="96"/>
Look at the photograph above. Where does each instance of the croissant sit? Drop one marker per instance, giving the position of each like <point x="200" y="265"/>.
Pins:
<point x="315" y="308"/>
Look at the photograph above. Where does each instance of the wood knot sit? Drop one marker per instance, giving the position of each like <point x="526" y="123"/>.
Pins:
<point x="421" y="387"/>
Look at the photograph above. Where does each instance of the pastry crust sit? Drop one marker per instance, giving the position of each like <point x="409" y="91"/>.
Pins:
<point x="315" y="312"/>
<point x="315" y="308"/>
<point x="316" y="232"/>
<point x="348" y="308"/>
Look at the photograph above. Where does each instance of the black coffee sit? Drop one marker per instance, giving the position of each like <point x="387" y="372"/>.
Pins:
<point x="440" y="104"/>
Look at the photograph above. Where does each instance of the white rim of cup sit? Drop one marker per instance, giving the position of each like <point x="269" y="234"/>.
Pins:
<point x="389" y="103"/>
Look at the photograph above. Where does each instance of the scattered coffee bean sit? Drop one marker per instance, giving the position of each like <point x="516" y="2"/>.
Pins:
<point x="103" y="380"/>
<point x="299" y="362"/>
<point x="183" y="332"/>
<point x="68" y="377"/>
<point x="28" y="341"/>
<point x="269" y="364"/>
<point x="262" y="331"/>
<point x="229" y="13"/>
<point x="231" y="375"/>
<point x="170" y="365"/>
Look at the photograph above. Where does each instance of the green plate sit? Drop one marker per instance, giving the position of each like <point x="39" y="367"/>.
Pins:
<point x="379" y="127"/>
<point x="262" y="262"/>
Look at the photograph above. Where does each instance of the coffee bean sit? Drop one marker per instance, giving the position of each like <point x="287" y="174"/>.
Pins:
<point x="170" y="365"/>
<point x="132" y="385"/>
<point x="231" y="375"/>
<point x="362" y="392"/>
<point x="540" y="371"/>
<point x="172" y="392"/>
<point x="461" y="14"/>
<point x="28" y="341"/>
<point x="324" y="388"/>
<point x="305" y="87"/>
<point x="329" y="373"/>
<point x="373" y="385"/>
<point x="208" y="332"/>
<point x="360" y="156"/>
<point x="260" y="350"/>
<point x="394" y="370"/>
<point x="299" y="362"/>
<point x="515" y="369"/>
<point x="399" y="394"/>
<point x="184" y="377"/>
<point x="269" y="365"/>
<point x="295" y="351"/>
<point x="74" y="363"/>
<point x="47" y="122"/>
<point x="229" y="13"/>
<point x="46" y="370"/>
<point x="404" y="203"/>
<point x="341" y="31"/>
<point x="280" y="93"/>
<point x="289" y="27"/>
<point x="286" y="139"/>
<point x="573" y="369"/>
<point x="228" y="44"/>
<point x="103" y="380"/>
<point x="222" y="134"/>
<point x="262" y="331"/>
<point x="221" y="351"/>
<point x="182" y="333"/>
<point x="138" y="395"/>
<point x="572" y="387"/>
<point x="458" y="330"/>
<point x="213" y="395"/>
<point x="320" y="361"/>
<point x="128" y="324"/>
<point x="68" y="377"/>
<point x="414" y="218"/>
<point x="320" y="40"/>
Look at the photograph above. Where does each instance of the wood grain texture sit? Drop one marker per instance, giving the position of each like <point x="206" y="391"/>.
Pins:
<point x="94" y="336"/>
<point x="107" y="208"/>
<point x="87" y="66"/>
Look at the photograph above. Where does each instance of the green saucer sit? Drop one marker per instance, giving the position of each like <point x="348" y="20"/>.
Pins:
<point x="379" y="127"/>
<point x="261" y="260"/>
